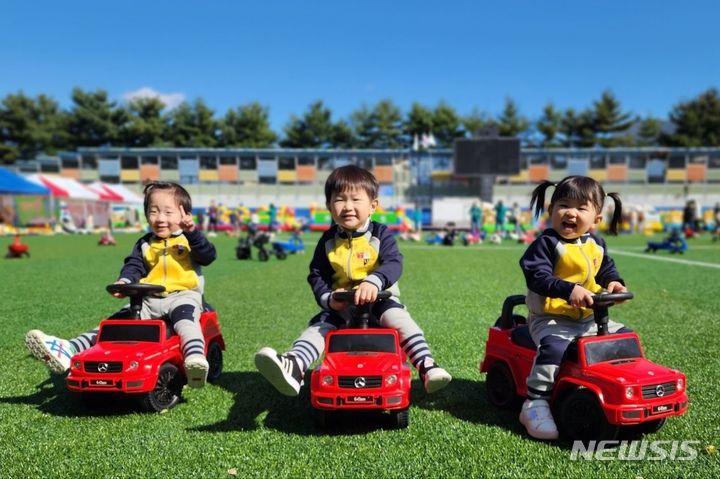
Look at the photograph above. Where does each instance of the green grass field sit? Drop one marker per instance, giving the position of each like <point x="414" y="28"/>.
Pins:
<point x="241" y="425"/>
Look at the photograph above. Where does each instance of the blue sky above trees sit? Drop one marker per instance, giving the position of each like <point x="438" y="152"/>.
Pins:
<point x="285" y="55"/>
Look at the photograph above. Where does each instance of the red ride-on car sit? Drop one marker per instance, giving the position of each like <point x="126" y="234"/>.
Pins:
<point x="364" y="368"/>
<point x="605" y="384"/>
<point x="141" y="358"/>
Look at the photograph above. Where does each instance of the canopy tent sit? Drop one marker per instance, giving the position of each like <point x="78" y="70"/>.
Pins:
<point x="62" y="187"/>
<point x="22" y="202"/>
<point x="106" y="194"/>
<point x="123" y="194"/>
<point x="14" y="184"/>
<point x="80" y="208"/>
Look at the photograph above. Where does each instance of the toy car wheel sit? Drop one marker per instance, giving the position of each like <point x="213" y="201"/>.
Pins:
<point x="281" y="254"/>
<point x="215" y="360"/>
<point x="168" y="389"/>
<point x="500" y="386"/>
<point x="582" y="418"/>
<point x="263" y="255"/>
<point x="242" y="253"/>
<point x="400" y="419"/>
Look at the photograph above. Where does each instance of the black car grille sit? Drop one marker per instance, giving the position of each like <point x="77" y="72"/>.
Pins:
<point x="356" y="382"/>
<point x="665" y="389"/>
<point x="103" y="367"/>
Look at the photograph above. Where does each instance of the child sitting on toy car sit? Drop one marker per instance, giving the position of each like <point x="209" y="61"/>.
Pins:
<point x="170" y="256"/>
<point x="355" y="253"/>
<point x="563" y="268"/>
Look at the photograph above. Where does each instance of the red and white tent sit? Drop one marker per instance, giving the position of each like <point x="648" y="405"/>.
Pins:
<point x="106" y="194"/>
<point x="62" y="187"/>
<point x="123" y="194"/>
<point x="81" y="207"/>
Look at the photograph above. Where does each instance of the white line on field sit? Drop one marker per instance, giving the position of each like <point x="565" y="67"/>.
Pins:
<point x="652" y="256"/>
<point x="458" y="247"/>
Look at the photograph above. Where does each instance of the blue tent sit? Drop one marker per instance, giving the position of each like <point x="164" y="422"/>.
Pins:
<point x="13" y="184"/>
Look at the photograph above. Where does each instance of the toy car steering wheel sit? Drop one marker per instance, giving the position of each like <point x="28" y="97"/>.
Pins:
<point x="349" y="296"/>
<point x="136" y="292"/>
<point x="601" y="303"/>
<point x="361" y="316"/>
<point x="608" y="299"/>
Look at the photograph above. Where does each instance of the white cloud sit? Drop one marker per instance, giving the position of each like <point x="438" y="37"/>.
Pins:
<point x="171" y="100"/>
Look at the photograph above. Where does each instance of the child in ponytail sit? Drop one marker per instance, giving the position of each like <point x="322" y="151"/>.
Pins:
<point x="563" y="268"/>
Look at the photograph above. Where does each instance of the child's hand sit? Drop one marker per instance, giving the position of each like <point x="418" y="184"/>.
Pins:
<point x="186" y="221"/>
<point x="617" y="287"/>
<point x="580" y="297"/>
<point x="118" y="295"/>
<point x="366" y="293"/>
<point x="336" y="305"/>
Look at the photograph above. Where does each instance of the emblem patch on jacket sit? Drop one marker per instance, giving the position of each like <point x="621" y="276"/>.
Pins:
<point x="363" y="256"/>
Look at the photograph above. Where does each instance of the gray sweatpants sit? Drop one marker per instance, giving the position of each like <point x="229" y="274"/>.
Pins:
<point x="552" y="335"/>
<point x="181" y="308"/>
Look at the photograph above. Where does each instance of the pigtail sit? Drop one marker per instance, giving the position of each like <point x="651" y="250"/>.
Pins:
<point x="538" y="197"/>
<point x="617" y="214"/>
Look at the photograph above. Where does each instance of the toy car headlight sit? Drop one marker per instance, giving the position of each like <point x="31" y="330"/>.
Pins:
<point x="391" y="379"/>
<point x="133" y="365"/>
<point x="77" y="364"/>
<point x="327" y="380"/>
<point x="680" y="384"/>
<point x="629" y="392"/>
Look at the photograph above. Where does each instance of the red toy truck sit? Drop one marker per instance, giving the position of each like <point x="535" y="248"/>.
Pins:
<point x="605" y="383"/>
<point x="363" y="369"/>
<point x="141" y="358"/>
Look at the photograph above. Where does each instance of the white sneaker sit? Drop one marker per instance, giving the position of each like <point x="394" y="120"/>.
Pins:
<point x="434" y="377"/>
<point x="281" y="370"/>
<point x="54" y="352"/>
<point x="538" y="420"/>
<point x="196" y="370"/>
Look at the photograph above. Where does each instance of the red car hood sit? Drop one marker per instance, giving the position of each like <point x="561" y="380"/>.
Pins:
<point x="635" y="371"/>
<point x="369" y="363"/>
<point x="121" y="351"/>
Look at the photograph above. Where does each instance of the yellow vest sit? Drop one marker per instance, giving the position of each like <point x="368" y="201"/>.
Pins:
<point x="577" y="263"/>
<point x="170" y="264"/>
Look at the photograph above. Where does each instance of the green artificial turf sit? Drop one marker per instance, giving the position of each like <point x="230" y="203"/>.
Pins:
<point x="242" y="426"/>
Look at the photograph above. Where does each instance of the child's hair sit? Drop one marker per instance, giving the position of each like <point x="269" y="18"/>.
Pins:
<point x="350" y="177"/>
<point x="581" y="188"/>
<point x="182" y="197"/>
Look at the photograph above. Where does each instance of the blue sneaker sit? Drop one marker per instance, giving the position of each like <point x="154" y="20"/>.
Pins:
<point x="54" y="352"/>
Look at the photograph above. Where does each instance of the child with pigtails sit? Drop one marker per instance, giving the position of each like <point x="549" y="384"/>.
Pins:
<point x="563" y="268"/>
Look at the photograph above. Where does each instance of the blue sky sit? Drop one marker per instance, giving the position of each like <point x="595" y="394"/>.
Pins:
<point x="286" y="54"/>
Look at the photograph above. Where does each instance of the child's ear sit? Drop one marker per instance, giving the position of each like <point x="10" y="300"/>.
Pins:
<point x="598" y="219"/>
<point x="374" y="204"/>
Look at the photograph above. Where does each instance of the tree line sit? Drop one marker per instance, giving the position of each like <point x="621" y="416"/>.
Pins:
<point x="32" y="126"/>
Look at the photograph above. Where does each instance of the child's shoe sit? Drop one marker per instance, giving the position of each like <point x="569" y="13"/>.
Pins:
<point x="54" y="352"/>
<point x="538" y="420"/>
<point x="196" y="370"/>
<point x="434" y="377"/>
<point x="281" y="370"/>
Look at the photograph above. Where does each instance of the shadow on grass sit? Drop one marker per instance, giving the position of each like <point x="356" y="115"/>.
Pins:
<point x="257" y="402"/>
<point x="52" y="397"/>
<point x="466" y="400"/>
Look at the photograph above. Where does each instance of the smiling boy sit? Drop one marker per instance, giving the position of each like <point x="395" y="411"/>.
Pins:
<point x="357" y="254"/>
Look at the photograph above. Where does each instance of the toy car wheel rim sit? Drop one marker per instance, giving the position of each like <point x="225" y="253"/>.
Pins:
<point x="583" y="419"/>
<point x="500" y="386"/>
<point x="215" y="360"/>
<point x="167" y="389"/>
